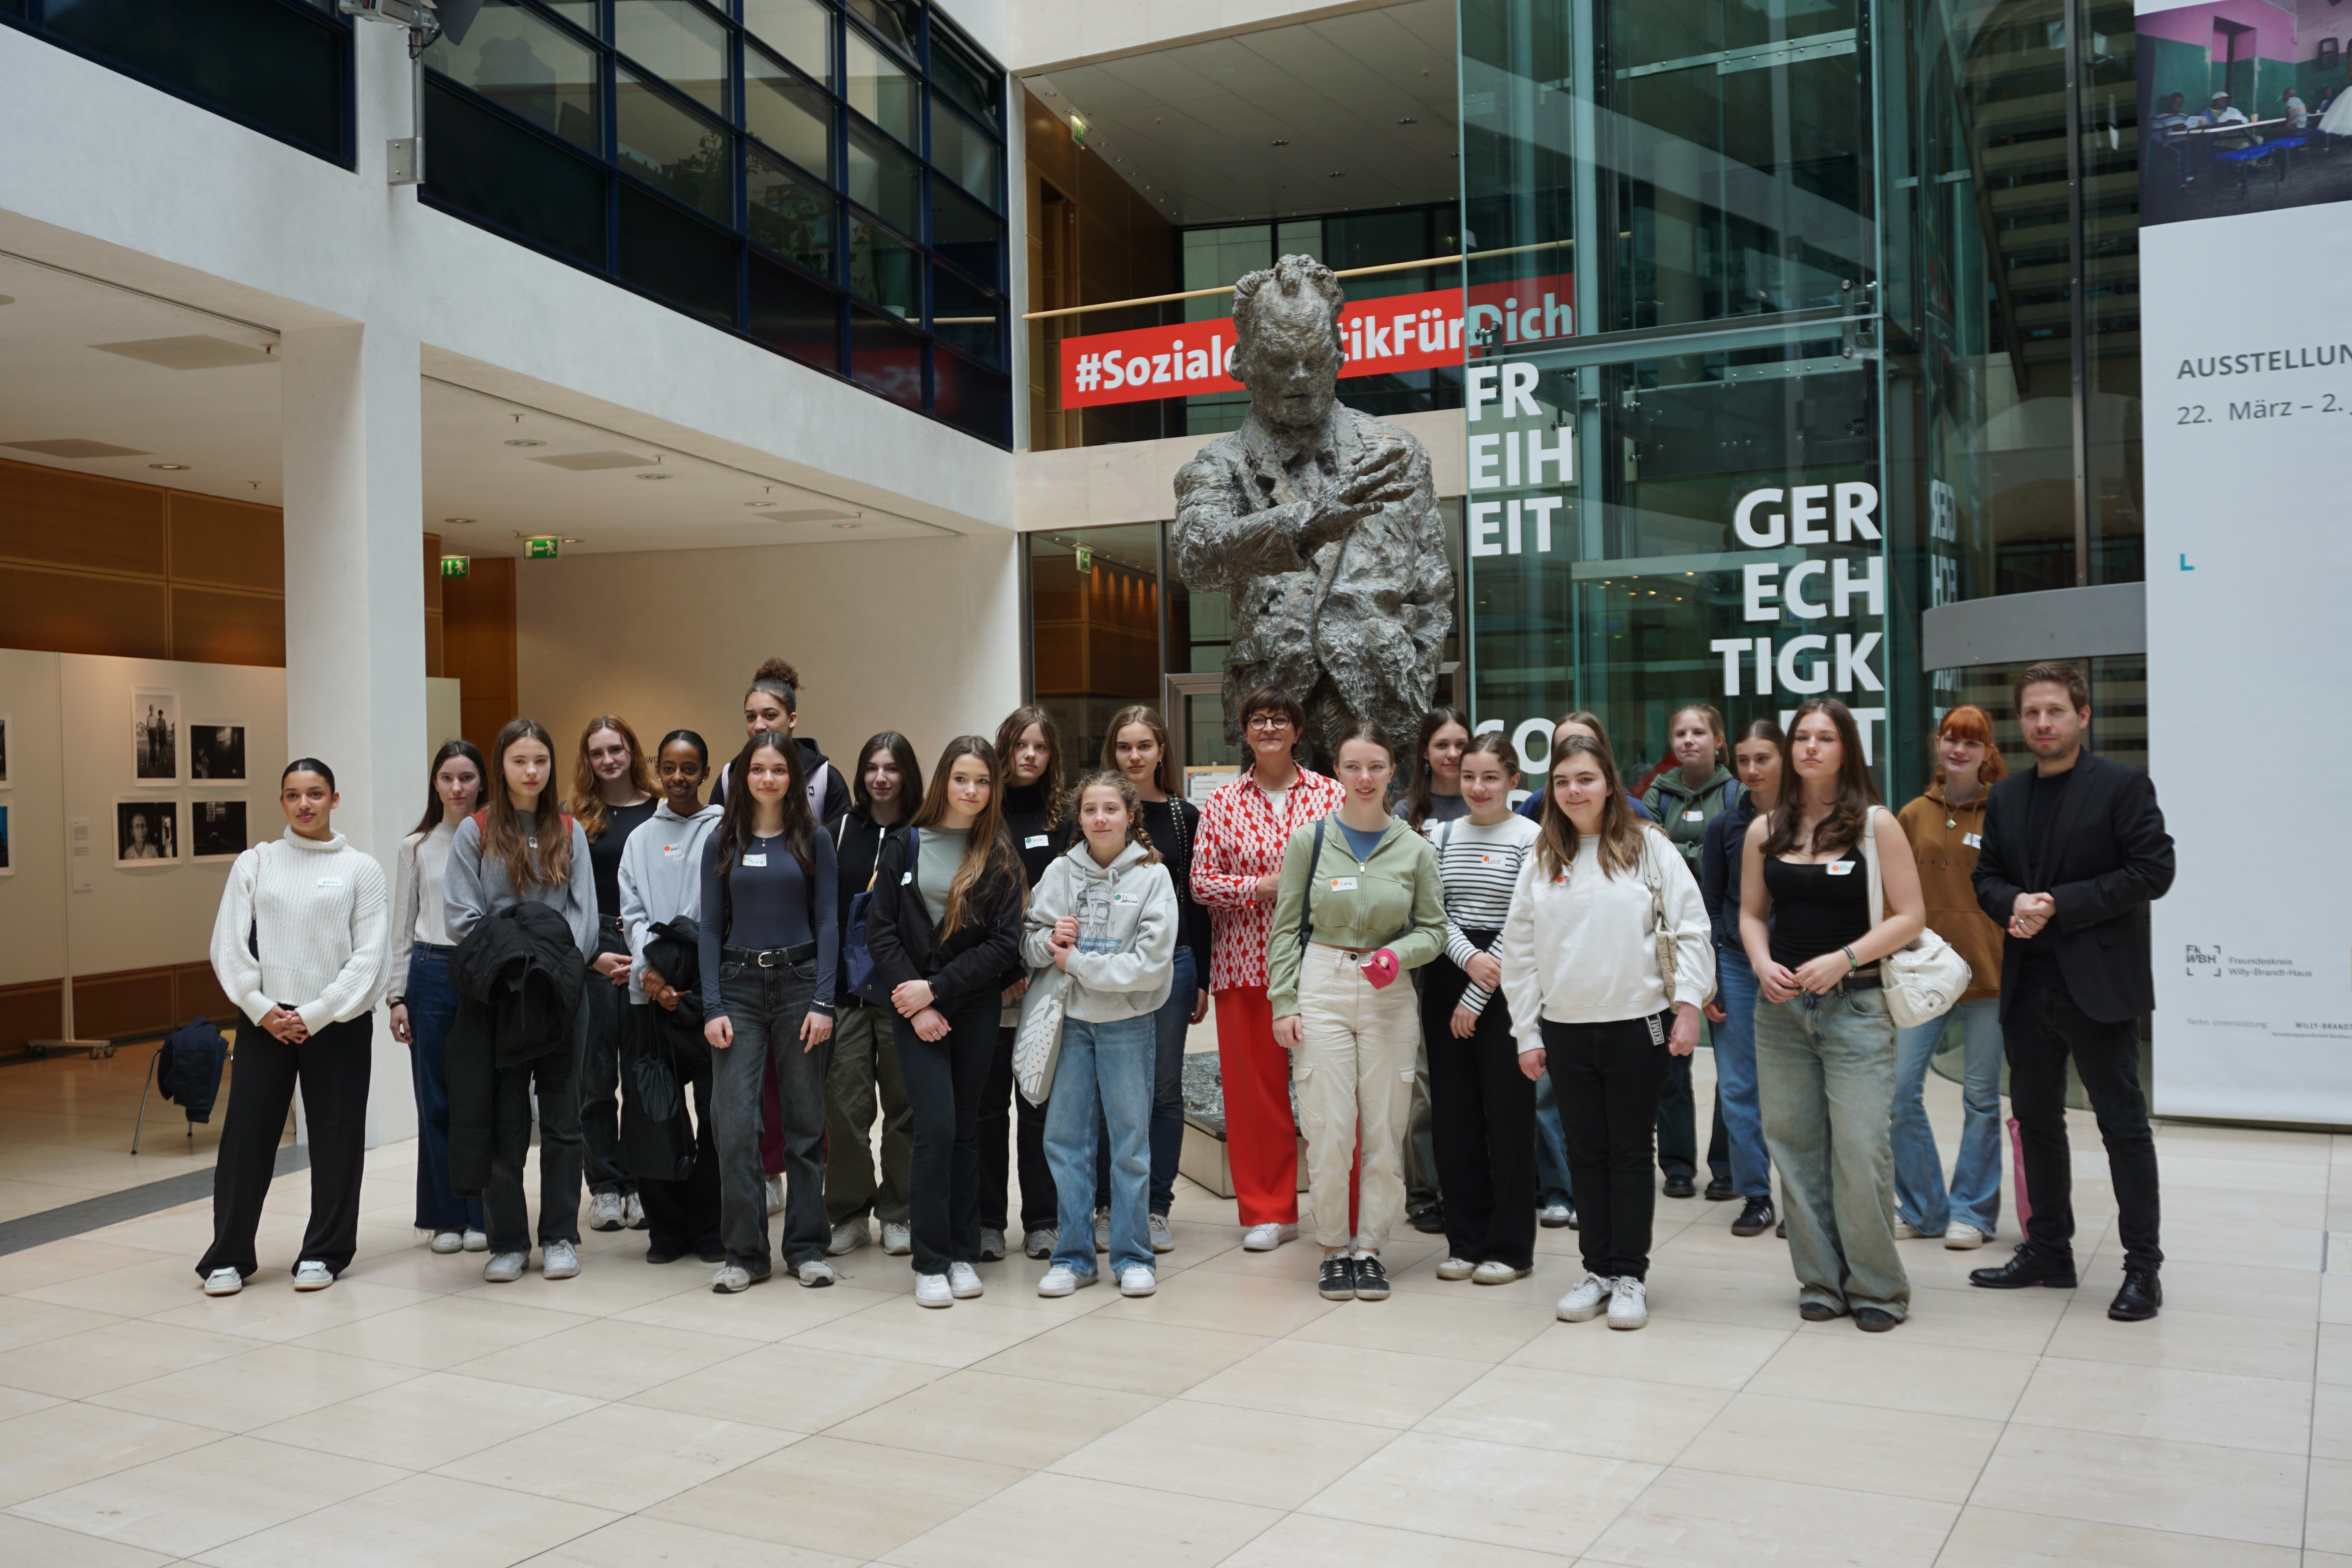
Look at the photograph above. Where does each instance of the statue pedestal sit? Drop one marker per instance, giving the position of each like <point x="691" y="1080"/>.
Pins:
<point x="1203" y="1159"/>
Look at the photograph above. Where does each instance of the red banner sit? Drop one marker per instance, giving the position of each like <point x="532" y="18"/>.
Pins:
<point x="1400" y="332"/>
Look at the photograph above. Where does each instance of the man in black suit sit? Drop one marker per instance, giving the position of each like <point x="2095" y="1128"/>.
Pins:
<point x="2073" y="853"/>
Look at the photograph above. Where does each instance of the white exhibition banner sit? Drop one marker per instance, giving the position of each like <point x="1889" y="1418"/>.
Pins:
<point x="2246" y="368"/>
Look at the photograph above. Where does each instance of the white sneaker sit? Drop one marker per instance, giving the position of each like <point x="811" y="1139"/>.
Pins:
<point x="848" y="1236"/>
<point x="560" y="1260"/>
<point x="1906" y="1231"/>
<point x="1963" y="1239"/>
<point x="1456" y="1269"/>
<point x="732" y="1279"/>
<point x="633" y="1213"/>
<point x="1556" y="1216"/>
<point x="1040" y="1243"/>
<point x="224" y="1282"/>
<point x="477" y="1242"/>
<point x="964" y="1281"/>
<point x="1493" y="1273"/>
<point x="1583" y="1303"/>
<point x="1267" y="1237"/>
<point x="606" y="1211"/>
<point x="448" y="1241"/>
<point x="1629" y="1304"/>
<point x="775" y="1195"/>
<point x="1063" y="1280"/>
<point x="312" y="1275"/>
<point x="506" y="1267"/>
<point x="1102" y="1230"/>
<point x="1163" y="1235"/>
<point x="1135" y="1279"/>
<point x="816" y="1273"/>
<point x="898" y="1240"/>
<point x="932" y="1290"/>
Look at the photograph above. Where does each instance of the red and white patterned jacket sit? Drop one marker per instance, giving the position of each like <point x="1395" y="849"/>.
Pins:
<point x="1242" y="839"/>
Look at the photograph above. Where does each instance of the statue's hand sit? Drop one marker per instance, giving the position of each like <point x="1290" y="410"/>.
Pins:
<point x="1373" y="480"/>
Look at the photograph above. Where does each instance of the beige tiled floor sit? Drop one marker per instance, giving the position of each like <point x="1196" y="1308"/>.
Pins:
<point x="413" y="1415"/>
<point x="66" y="1125"/>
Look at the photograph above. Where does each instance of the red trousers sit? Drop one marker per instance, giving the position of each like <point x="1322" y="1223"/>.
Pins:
<point x="1261" y="1135"/>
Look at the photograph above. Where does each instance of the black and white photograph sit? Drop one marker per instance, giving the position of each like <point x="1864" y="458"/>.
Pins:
<point x="7" y="778"/>
<point x="215" y="829"/>
<point x="216" y="750"/>
<point x="7" y="855"/>
<point x="146" y="832"/>
<point x="155" y="736"/>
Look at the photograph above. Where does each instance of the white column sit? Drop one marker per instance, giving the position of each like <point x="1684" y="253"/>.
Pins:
<point x="352" y="422"/>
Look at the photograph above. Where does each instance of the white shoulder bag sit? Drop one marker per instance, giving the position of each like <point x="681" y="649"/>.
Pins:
<point x="1926" y="976"/>
<point x="1037" y="1043"/>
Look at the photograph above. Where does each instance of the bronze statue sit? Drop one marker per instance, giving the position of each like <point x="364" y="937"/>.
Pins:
<point x="1321" y="524"/>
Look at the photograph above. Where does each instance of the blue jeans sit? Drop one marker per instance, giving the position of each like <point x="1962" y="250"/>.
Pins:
<point x="432" y="1004"/>
<point x="1975" y="1196"/>
<point x="1169" y="1025"/>
<point x="1553" y="1185"/>
<point x="1104" y="1074"/>
<point x="1825" y="1077"/>
<point x="1735" y="1074"/>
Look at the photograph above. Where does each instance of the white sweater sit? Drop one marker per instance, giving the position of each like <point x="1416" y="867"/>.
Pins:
<point x="317" y="912"/>
<point x="661" y="878"/>
<point x="1578" y="949"/>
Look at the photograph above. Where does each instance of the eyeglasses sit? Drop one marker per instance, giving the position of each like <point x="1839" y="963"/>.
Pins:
<point x="1269" y="722"/>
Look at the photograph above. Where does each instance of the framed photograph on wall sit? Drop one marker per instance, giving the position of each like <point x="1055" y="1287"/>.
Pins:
<point x="8" y="726"/>
<point x="7" y="850"/>
<point x="216" y="750"/>
<point x="155" y="737"/>
<point x="146" y="831"/>
<point x="216" y="829"/>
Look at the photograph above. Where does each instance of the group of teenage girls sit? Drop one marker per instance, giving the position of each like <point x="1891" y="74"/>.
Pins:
<point x="1566" y="952"/>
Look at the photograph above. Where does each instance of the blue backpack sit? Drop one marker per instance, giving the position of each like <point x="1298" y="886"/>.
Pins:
<point x="856" y="958"/>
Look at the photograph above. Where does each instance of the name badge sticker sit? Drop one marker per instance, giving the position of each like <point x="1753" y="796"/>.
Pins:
<point x="1840" y="868"/>
<point x="757" y="861"/>
<point x="905" y="878"/>
<point x="1694" y="816"/>
<point x="673" y="851"/>
<point x="1973" y="840"/>
<point x="330" y="881"/>
<point x="1035" y="841"/>
<point x="1343" y="884"/>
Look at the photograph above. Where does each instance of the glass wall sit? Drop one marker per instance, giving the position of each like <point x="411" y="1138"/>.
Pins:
<point x="825" y="178"/>
<point x="1856" y="298"/>
<point x="281" y="67"/>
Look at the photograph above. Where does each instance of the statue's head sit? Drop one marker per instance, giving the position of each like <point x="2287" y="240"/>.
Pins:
<point x="1287" y="348"/>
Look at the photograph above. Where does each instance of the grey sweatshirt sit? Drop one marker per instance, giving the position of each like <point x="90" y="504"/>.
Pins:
<point x="1129" y="923"/>
<point x="476" y="889"/>
<point x="661" y="878"/>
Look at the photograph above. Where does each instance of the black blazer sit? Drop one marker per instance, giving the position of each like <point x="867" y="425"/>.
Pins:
<point x="905" y="946"/>
<point x="2110" y="855"/>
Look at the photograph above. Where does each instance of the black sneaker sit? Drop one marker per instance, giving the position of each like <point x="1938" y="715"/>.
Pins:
<point x="1755" y="1219"/>
<point x="1430" y="1221"/>
<point x="1337" y="1282"/>
<point x="1681" y="1186"/>
<point x="1719" y="1190"/>
<point x="1371" y="1280"/>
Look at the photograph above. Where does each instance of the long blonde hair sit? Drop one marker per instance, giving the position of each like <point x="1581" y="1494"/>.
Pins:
<point x="588" y="791"/>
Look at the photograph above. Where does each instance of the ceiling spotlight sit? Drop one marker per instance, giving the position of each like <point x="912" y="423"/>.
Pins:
<point x="172" y="467"/>
<point x="653" y="475"/>
<point x="1279" y="141"/>
<point x="848" y="525"/>
<point x="458" y="520"/>
<point x="526" y="443"/>
<point x="1337" y="174"/>
<point x="569" y="538"/>
<point x="1408" y="119"/>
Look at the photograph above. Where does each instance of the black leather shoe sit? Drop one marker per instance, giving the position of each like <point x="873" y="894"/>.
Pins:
<point x="2139" y="1299"/>
<point x="1681" y="1187"/>
<point x="2026" y="1269"/>
<point x="1337" y="1282"/>
<point x="1754" y="1219"/>
<point x="1720" y="1190"/>
<point x="1874" y="1320"/>
<point x="664" y="1252"/>
<point x="1430" y="1221"/>
<point x="1817" y="1311"/>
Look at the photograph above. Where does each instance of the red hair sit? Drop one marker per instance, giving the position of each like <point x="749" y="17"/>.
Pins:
<point x="1971" y="723"/>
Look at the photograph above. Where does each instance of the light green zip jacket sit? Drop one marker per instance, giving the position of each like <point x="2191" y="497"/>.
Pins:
<point x="1394" y="900"/>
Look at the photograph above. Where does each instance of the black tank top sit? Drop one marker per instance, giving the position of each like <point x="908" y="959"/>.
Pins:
<point x="1815" y="911"/>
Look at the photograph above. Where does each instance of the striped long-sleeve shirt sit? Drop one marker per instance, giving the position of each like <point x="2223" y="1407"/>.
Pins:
<point x="1479" y="867"/>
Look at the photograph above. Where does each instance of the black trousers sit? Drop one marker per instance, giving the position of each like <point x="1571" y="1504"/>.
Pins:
<point x="503" y="1205"/>
<point x="945" y="1080"/>
<point x="1606" y="1078"/>
<point x="1678" y="1128"/>
<point x="1040" y="1204"/>
<point x="331" y="1067"/>
<point x="683" y="1216"/>
<point x="2042" y="1028"/>
<point x="603" y="1007"/>
<point x="1482" y="1112"/>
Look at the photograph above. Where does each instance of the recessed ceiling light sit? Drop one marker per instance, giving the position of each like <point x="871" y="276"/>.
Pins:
<point x="849" y="525"/>
<point x="526" y="443"/>
<point x="1337" y="174"/>
<point x="173" y="466"/>
<point x="568" y="539"/>
<point x="1279" y="141"/>
<point x="457" y="520"/>
<point x="653" y="475"/>
<point x="1408" y="119"/>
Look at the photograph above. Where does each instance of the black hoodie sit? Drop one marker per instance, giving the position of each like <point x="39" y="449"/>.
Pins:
<point x="814" y="768"/>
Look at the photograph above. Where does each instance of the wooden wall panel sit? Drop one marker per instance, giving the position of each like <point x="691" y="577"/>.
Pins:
<point x="67" y="612"/>
<point x="196" y="989"/>
<point x="226" y="544"/>
<point x="210" y="626"/>
<point x="30" y="1012"/>
<point x="65" y="519"/>
<point x="122" y="1002"/>
<point x="478" y="645"/>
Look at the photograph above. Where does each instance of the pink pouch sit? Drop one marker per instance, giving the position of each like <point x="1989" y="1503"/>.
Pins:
<point x="1380" y="969"/>
<point x="2017" y="1173"/>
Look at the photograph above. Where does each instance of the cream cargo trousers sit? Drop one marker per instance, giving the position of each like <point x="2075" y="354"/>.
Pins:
<point x="1353" y="1070"/>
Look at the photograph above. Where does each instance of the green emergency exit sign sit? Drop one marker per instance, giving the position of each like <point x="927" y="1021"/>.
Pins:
<point x="1085" y="558"/>
<point x="543" y="549"/>
<point x="456" y="566"/>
